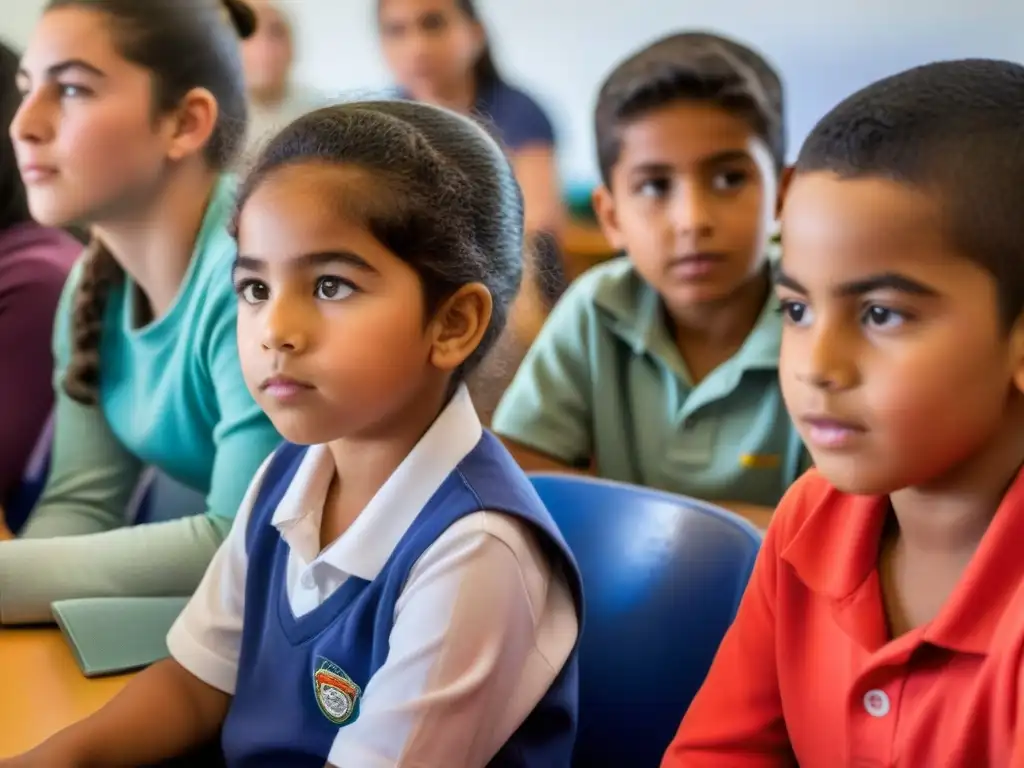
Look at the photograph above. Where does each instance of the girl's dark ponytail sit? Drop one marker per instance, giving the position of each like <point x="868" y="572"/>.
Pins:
<point x="100" y="273"/>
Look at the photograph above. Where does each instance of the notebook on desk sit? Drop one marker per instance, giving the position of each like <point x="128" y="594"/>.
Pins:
<point x="113" y="635"/>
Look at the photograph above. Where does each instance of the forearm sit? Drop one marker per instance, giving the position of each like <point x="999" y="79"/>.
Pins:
<point x="165" y="711"/>
<point x="147" y="560"/>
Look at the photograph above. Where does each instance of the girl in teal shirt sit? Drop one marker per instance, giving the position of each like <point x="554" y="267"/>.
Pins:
<point x="131" y="111"/>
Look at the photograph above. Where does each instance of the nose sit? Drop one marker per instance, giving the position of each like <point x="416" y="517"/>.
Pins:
<point x="692" y="209"/>
<point x="829" y="359"/>
<point x="283" y="329"/>
<point x="31" y="123"/>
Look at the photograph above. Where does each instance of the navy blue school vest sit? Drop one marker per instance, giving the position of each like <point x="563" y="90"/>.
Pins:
<point x="300" y="679"/>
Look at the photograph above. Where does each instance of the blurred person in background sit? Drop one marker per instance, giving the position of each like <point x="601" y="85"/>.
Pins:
<point x="438" y="52"/>
<point x="268" y="57"/>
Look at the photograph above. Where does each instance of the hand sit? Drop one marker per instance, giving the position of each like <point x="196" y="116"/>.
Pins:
<point x="46" y="755"/>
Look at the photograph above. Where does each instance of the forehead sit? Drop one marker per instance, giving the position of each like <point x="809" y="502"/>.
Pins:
<point x="303" y="207"/>
<point x="834" y="229"/>
<point x="72" y="33"/>
<point x="409" y="9"/>
<point x="683" y="133"/>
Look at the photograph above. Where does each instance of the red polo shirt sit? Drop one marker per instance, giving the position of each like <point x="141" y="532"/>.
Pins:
<point x="807" y="674"/>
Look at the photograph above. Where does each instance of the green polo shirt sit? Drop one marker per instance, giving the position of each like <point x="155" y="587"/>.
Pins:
<point x="605" y="382"/>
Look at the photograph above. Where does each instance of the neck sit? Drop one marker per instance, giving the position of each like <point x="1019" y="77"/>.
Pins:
<point x="154" y="245"/>
<point x="458" y="96"/>
<point x="951" y="515"/>
<point x="363" y="463"/>
<point x="269" y="96"/>
<point x="726" y="323"/>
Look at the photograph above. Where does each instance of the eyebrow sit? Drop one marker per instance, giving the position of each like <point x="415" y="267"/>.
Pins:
<point x="727" y="156"/>
<point x="55" y="70"/>
<point x="885" y="281"/>
<point x="317" y="259"/>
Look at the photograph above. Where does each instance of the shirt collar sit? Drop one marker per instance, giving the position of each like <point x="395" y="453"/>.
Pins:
<point x="634" y="311"/>
<point x="835" y="554"/>
<point x="365" y="547"/>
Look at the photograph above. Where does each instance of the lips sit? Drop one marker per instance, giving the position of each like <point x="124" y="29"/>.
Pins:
<point x="33" y="173"/>
<point x="831" y="433"/>
<point x="697" y="264"/>
<point x="285" y="387"/>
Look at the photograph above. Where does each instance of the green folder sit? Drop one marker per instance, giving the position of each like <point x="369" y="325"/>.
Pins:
<point x="112" y="635"/>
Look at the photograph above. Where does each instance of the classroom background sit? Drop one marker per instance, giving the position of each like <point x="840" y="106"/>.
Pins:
<point x="560" y="50"/>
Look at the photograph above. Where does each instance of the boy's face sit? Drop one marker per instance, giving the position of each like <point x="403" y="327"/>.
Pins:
<point x="895" y="365"/>
<point x="691" y="200"/>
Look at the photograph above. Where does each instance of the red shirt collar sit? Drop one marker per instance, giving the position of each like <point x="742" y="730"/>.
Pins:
<point x="835" y="554"/>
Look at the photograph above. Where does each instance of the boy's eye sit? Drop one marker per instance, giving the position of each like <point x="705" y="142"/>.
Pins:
<point x="333" y="288"/>
<point x="654" y="187"/>
<point x="724" y="181"/>
<point x="882" y="317"/>
<point x="795" y="312"/>
<point x="253" y="291"/>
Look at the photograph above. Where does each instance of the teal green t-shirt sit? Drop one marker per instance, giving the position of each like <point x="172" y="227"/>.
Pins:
<point x="604" y="383"/>
<point x="172" y="397"/>
<point x="172" y="391"/>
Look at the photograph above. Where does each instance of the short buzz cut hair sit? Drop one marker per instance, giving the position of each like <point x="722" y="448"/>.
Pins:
<point x="955" y="130"/>
<point x="690" y="66"/>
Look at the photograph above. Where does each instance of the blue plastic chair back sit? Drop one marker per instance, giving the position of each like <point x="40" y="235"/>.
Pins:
<point x="663" y="576"/>
<point x="22" y="499"/>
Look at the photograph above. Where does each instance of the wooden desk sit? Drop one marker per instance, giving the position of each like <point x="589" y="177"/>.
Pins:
<point x="42" y="689"/>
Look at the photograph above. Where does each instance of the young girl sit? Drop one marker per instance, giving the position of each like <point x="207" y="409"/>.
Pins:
<point x="395" y="593"/>
<point x="34" y="263"/>
<point x="439" y="54"/>
<point x="131" y="109"/>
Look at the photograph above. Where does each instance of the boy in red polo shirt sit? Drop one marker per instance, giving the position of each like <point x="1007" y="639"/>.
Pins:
<point x="884" y="622"/>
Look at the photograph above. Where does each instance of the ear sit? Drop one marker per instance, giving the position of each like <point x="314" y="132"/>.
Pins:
<point x="459" y="325"/>
<point x="603" y="203"/>
<point x="784" y="181"/>
<point x="191" y="124"/>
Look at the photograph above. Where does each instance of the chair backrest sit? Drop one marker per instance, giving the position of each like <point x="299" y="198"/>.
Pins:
<point x="663" y="576"/>
<point x="22" y="499"/>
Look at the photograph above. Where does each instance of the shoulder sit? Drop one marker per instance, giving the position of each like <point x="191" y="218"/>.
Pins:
<point x="494" y="543"/>
<point x="520" y="120"/>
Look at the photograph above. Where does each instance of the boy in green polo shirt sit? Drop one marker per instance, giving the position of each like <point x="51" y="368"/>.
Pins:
<point x="661" y="368"/>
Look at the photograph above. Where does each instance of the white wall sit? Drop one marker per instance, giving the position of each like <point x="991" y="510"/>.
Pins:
<point x="561" y="49"/>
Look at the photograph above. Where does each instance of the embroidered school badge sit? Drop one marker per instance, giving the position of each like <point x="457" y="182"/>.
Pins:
<point x="336" y="693"/>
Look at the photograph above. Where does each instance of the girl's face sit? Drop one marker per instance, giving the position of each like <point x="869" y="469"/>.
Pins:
<point x="87" y="142"/>
<point x="429" y="45"/>
<point x="331" y="324"/>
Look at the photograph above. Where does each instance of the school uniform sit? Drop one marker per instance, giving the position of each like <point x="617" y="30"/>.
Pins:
<point x="439" y="629"/>
<point x="512" y="115"/>
<point x="809" y="675"/>
<point x="605" y="381"/>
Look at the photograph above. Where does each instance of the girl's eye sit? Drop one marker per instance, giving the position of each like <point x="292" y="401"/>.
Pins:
<point x="795" y="312"/>
<point x="71" y="91"/>
<point x="333" y="288"/>
<point x="882" y="317"/>
<point x="253" y="291"/>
